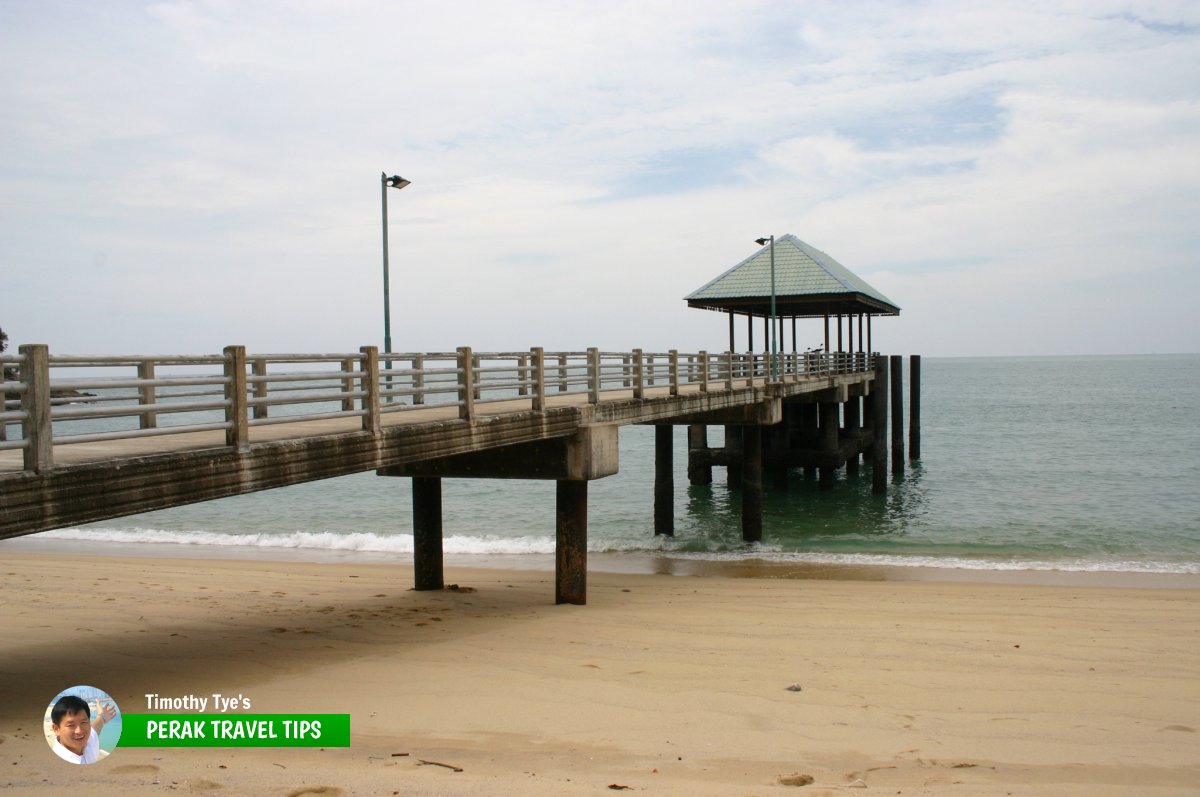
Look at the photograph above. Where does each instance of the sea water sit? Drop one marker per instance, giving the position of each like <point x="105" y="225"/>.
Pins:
<point x="1035" y="463"/>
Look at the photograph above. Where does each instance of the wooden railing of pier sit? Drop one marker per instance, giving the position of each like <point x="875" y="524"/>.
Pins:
<point x="54" y="401"/>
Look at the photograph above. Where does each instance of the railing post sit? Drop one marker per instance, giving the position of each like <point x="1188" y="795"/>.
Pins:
<point x="348" y="383"/>
<point x="625" y="370"/>
<point x="475" y="375"/>
<point x="750" y="368"/>
<point x="523" y="374"/>
<point x="37" y="427"/>
<point x="259" y="367"/>
<point x="539" y="378"/>
<point x="238" y="433"/>
<point x="639" y="382"/>
<point x="149" y="418"/>
<point x="593" y="371"/>
<point x="562" y="373"/>
<point x="650" y="370"/>
<point x="673" y="359"/>
<point x="369" y="365"/>
<point x="418" y="380"/>
<point x="729" y="370"/>
<point x="385" y="387"/>
<point x="466" y="385"/>
<point x="703" y="372"/>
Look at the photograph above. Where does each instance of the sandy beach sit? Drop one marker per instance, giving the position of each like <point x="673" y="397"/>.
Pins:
<point x="670" y="685"/>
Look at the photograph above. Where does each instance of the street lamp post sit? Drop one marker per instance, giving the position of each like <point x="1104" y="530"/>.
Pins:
<point x="385" y="182"/>
<point x="774" y="359"/>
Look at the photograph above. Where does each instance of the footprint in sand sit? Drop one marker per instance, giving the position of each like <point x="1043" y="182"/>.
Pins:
<point x="134" y="769"/>
<point x="317" y="791"/>
<point x="204" y="785"/>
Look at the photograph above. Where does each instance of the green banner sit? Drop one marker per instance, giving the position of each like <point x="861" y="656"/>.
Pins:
<point x="235" y="730"/>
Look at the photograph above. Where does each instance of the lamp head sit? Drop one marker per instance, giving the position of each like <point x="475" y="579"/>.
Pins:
<point x="396" y="181"/>
<point x="761" y="241"/>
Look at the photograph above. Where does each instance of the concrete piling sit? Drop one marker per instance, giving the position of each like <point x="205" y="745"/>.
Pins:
<point x="879" y="404"/>
<point x="427" y="533"/>
<point x="752" y="488"/>
<point x="570" y="560"/>
<point x="897" y="392"/>
<point x="664" y="480"/>
<point x="698" y="472"/>
<point x="914" y="407"/>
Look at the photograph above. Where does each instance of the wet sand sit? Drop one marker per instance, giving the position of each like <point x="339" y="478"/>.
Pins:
<point x="667" y="684"/>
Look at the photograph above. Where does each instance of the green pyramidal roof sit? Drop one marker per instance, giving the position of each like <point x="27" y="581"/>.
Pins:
<point x="808" y="283"/>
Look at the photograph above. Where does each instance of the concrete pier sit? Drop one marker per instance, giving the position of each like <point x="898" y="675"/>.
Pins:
<point x="897" y="392"/>
<point x="427" y="533"/>
<point x="733" y="450"/>
<point x="830" y="412"/>
<point x="664" y="480"/>
<point x="700" y="472"/>
<point x="570" y="525"/>
<point x="485" y="426"/>
<point x="914" y="407"/>
<point x="879" y="406"/>
<point x="752" y="487"/>
<point x="852" y="424"/>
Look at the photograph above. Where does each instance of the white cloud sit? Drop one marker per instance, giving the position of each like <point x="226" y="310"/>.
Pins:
<point x="209" y="170"/>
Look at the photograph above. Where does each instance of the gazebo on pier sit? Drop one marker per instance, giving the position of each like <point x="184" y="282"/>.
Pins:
<point x="808" y="283"/>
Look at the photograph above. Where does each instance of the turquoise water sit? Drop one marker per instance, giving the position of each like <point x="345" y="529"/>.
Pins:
<point x="1070" y="463"/>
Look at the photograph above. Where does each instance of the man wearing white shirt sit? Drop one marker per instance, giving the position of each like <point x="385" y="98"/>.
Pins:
<point x="77" y="739"/>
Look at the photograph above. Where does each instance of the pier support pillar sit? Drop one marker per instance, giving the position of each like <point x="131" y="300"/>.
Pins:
<point x="852" y="420"/>
<point x="879" y="407"/>
<point x="427" y="533"/>
<point x="752" y="489"/>
<point x="697" y="435"/>
<point x="776" y="444"/>
<point x="829" y="443"/>
<point x="664" y="480"/>
<point x="809" y="432"/>
<point x="914" y="406"/>
<point x="570" y="559"/>
<point x="733" y="452"/>
<point x="897" y="390"/>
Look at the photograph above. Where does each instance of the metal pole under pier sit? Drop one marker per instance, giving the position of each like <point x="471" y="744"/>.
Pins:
<point x="914" y="407"/>
<point x="427" y="533"/>
<point x="897" y="368"/>
<point x="752" y="489"/>
<point x="879" y="405"/>
<point x="570" y="559"/>
<point x="664" y="480"/>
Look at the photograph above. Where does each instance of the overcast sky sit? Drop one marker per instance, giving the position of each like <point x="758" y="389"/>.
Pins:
<point x="1020" y="178"/>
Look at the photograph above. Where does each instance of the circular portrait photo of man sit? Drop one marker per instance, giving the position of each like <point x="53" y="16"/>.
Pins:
<point x="83" y="724"/>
